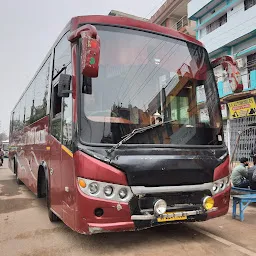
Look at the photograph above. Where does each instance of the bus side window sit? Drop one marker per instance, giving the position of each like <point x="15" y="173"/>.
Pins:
<point x="67" y="116"/>
<point x="62" y="61"/>
<point x="56" y="114"/>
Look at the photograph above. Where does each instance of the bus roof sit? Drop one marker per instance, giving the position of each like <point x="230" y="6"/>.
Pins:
<point x="131" y="23"/>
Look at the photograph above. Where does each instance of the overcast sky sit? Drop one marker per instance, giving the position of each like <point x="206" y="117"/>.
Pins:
<point x="28" y="30"/>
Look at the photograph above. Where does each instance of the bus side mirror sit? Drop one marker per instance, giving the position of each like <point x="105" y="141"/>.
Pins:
<point x="64" y="85"/>
<point x="90" y="52"/>
<point x="229" y="67"/>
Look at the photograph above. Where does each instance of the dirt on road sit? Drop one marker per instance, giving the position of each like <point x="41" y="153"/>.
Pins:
<point x="25" y="230"/>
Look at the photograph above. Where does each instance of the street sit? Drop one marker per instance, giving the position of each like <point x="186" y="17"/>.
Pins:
<point x="25" y="230"/>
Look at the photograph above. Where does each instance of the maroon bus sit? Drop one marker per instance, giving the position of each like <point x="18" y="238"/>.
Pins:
<point x="121" y="129"/>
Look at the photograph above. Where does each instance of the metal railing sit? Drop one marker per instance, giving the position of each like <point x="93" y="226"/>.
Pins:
<point x="181" y="23"/>
<point x="242" y="134"/>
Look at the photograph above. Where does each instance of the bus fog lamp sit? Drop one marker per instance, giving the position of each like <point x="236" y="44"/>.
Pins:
<point x="108" y="190"/>
<point x="160" y="207"/>
<point x="93" y="188"/>
<point x="208" y="203"/>
<point x="123" y="192"/>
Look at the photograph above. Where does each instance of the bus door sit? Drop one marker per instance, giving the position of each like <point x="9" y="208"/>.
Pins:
<point x="61" y="163"/>
<point x="67" y="163"/>
<point x="55" y="188"/>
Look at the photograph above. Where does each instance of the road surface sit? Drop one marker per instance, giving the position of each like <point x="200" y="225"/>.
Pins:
<point x="26" y="231"/>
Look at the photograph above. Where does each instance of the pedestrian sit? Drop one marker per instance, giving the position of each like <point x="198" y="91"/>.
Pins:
<point x="1" y="156"/>
<point x="239" y="176"/>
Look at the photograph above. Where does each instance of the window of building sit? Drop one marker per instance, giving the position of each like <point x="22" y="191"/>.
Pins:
<point x="251" y="66"/>
<point x="248" y="4"/>
<point x="251" y="62"/>
<point x="164" y="24"/>
<point x="217" y="23"/>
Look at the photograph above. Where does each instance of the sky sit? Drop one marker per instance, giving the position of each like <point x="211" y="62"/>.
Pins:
<point x="30" y="27"/>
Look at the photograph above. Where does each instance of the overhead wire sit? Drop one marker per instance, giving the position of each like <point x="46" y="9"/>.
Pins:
<point x="140" y="71"/>
<point x="171" y="79"/>
<point x="226" y="32"/>
<point x="156" y="6"/>
<point x="124" y="80"/>
<point x="157" y="68"/>
<point x="150" y="75"/>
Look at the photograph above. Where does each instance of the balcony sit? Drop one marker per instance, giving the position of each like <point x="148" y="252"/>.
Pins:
<point x="186" y="26"/>
<point x="181" y="23"/>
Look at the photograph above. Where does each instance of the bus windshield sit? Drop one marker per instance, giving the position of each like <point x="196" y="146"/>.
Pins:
<point x="146" y="78"/>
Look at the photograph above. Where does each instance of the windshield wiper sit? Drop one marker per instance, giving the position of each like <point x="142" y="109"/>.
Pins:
<point x="134" y="132"/>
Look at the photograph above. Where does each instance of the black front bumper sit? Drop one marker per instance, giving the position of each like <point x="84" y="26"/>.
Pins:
<point x="142" y="205"/>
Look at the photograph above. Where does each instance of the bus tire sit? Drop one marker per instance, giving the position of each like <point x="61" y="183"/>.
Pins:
<point x="19" y="182"/>
<point x="52" y="216"/>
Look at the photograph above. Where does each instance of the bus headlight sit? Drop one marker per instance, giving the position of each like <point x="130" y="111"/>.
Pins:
<point x="208" y="203"/>
<point x="108" y="190"/>
<point x="123" y="193"/>
<point x="220" y="185"/>
<point x="93" y="188"/>
<point x="215" y="187"/>
<point x="104" y="190"/>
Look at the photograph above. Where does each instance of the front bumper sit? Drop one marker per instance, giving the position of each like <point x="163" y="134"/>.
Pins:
<point x="130" y="216"/>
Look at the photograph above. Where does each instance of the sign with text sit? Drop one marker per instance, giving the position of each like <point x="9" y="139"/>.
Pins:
<point x="242" y="108"/>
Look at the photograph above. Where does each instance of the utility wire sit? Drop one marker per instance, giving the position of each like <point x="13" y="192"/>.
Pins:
<point x="162" y="2"/>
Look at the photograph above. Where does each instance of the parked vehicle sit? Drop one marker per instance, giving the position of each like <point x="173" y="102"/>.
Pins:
<point x="5" y="147"/>
<point x="121" y="129"/>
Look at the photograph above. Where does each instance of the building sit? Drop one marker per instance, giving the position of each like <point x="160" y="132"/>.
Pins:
<point x="228" y="28"/>
<point x="173" y="14"/>
<point x="123" y="14"/>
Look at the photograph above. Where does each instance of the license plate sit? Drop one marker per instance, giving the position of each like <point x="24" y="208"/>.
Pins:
<point x="165" y="219"/>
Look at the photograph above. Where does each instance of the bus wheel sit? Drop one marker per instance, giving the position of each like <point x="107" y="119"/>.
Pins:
<point x="52" y="216"/>
<point x="19" y="182"/>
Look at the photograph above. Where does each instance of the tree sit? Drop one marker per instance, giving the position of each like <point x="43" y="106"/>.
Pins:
<point x="3" y="136"/>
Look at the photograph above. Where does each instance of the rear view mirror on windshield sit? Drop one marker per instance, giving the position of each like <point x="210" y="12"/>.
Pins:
<point x="90" y="49"/>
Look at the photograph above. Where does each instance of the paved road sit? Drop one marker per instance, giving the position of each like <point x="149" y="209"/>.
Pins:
<point x="26" y="231"/>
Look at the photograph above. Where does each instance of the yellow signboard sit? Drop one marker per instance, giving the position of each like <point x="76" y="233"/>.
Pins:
<point x="241" y="108"/>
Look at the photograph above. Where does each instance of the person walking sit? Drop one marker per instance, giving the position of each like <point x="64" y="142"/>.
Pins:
<point x="1" y="157"/>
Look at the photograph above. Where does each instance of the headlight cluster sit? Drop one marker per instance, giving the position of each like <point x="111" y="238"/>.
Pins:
<point x="220" y="185"/>
<point x="105" y="190"/>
